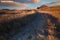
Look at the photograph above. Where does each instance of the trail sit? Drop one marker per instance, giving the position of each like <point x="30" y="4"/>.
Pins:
<point x="33" y="29"/>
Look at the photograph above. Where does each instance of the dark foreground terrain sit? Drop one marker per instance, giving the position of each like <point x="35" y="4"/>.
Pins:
<point x="36" y="26"/>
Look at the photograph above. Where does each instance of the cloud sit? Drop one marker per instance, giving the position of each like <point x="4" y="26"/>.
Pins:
<point x="17" y="2"/>
<point x="34" y="1"/>
<point x="46" y="3"/>
<point x="57" y="0"/>
<point x="24" y="1"/>
<point x="12" y="3"/>
<point x="52" y="3"/>
<point x="5" y="0"/>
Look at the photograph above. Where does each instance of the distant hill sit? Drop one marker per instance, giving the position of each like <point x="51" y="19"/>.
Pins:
<point x="43" y="6"/>
<point x="51" y="8"/>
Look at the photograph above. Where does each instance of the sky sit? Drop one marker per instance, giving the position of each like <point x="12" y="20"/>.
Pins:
<point x="23" y="4"/>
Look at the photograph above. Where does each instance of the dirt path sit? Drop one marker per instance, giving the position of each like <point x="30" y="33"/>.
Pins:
<point x="34" y="30"/>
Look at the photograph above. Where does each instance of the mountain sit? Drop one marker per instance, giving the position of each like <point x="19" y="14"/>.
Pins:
<point x="34" y="24"/>
<point x="43" y="6"/>
<point x="51" y="8"/>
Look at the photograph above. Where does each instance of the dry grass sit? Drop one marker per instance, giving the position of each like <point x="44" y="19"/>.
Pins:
<point x="18" y="18"/>
<point x="54" y="11"/>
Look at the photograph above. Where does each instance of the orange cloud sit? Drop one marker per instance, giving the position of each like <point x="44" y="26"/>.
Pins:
<point x="14" y="3"/>
<point x="24" y="1"/>
<point x="34" y="1"/>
